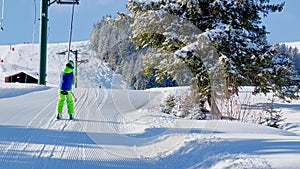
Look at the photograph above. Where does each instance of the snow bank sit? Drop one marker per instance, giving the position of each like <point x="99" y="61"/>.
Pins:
<point x="16" y="89"/>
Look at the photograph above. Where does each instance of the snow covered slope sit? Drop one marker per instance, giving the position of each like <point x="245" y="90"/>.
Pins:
<point x="25" y="57"/>
<point x="120" y="128"/>
<point x="293" y="44"/>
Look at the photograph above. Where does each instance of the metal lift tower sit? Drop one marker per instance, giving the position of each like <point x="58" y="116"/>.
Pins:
<point x="43" y="35"/>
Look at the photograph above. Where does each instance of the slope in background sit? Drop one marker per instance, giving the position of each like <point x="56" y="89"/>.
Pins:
<point x="25" y="57"/>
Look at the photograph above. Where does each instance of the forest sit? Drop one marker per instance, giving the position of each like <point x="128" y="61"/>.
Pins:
<point x="114" y="46"/>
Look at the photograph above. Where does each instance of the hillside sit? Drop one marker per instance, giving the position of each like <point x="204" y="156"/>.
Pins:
<point x="111" y="42"/>
<point x="25" y="57"/>
<point x="293" y="44"/>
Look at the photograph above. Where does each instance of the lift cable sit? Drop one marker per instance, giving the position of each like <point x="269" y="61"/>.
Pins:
<point x="2" y="16"/>
<point x="34" y="22"/>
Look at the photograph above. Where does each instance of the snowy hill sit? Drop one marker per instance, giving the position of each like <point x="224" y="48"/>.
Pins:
<point x="293" y="44"/>
<point x="121" y="128"/>
<point x="25" y="57"/>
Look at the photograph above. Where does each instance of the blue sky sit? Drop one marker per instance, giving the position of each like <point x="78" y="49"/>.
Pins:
<point x="284" y="26"/>
<point x="20" y="21"/>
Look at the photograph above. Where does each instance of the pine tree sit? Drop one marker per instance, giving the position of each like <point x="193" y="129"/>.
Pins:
<point x="232" y="27"/>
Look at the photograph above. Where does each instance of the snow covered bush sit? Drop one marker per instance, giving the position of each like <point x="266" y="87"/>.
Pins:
<point x="238" y="108"/>
<point x="169" y="104"/>
<point x="183" y="106"/>
<point x="272" y="116"/>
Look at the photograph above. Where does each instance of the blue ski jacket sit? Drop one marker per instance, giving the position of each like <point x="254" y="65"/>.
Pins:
<point x="67" y="79"/>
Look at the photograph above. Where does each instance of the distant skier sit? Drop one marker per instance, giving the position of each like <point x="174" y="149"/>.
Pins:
<point x="67" y="79"/>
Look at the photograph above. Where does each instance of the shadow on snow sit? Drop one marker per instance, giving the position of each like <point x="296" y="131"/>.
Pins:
<point x="199" y="153"/>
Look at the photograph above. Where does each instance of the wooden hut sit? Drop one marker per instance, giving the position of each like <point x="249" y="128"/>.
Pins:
<point x="20" y="77"/>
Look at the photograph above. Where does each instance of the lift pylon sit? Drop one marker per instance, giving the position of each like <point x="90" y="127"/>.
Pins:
<point x="43" y="35"/>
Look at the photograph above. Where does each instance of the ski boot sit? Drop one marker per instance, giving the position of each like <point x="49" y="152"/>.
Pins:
<point x="58" y="116"/>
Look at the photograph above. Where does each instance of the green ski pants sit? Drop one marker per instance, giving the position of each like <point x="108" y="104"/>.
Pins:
<point x="61" y="101"/>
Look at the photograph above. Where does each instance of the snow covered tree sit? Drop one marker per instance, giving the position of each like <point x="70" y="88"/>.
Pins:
<point x="229" y="31"/>
<point x="110" y="40"/>
<point x="292" y="53"/>
<point x="273" y="117"/>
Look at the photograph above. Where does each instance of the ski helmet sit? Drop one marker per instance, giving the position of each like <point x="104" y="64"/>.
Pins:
<point x="70" y="64"/>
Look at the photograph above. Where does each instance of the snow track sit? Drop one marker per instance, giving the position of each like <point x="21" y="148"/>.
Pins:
<point x="33" y="138"/>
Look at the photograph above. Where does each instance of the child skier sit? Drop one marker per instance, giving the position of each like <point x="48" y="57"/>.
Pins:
<point x="67" y="79"/>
